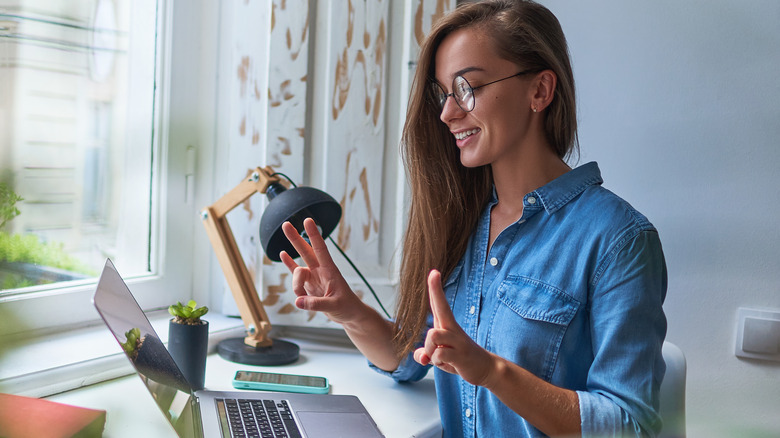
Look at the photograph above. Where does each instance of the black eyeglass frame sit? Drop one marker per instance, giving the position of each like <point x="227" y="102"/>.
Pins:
<point x="442" y="96"/>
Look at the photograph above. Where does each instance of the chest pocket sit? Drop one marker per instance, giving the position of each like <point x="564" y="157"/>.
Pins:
<point x="529" y="322"/>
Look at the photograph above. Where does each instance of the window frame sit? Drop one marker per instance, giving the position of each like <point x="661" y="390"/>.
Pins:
<point x="183" y="127"/>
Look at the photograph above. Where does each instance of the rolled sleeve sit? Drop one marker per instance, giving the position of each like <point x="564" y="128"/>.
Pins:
<point x="601" y="417"/>
<point x="408" y="370"/>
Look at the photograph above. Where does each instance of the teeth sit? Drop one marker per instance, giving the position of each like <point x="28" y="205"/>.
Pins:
<point x="464" y="134"/>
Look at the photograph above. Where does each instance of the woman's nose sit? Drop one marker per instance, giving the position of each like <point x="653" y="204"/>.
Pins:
<point x="450" y="110"/>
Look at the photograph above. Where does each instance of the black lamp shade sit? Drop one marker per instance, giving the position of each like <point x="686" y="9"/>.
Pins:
<point x="295" y="205"/>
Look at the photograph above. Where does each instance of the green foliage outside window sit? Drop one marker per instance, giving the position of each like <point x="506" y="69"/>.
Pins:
<point x="8" y="200"/>
<point x="29" y="249"/>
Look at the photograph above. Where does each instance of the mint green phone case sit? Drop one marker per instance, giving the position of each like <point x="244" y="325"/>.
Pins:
<point x="264" y="381"/>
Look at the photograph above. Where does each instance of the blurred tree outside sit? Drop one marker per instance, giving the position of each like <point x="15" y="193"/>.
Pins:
<point x="27" y="261"/>
<point x="8" y="200"/>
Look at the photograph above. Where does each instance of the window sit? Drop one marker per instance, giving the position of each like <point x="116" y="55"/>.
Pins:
<point x="86" y="104"/>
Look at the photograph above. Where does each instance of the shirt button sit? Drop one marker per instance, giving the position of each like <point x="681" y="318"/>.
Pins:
<point x="493" y="261"/>
<point x="468" y="412"/>
<point x="531" y="200"/>
<point x="472" y="310"/>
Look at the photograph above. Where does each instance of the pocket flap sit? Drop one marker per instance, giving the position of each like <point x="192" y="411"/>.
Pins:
<point x="536" y="300"/>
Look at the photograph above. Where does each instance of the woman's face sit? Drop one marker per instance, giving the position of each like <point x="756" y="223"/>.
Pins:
<point x="498" y="125"/>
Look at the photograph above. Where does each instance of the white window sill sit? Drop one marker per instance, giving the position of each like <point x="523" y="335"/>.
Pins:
<point x="58" y="362"/>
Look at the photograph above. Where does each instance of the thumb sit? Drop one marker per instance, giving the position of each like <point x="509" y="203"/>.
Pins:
<point x="309" y="302"/>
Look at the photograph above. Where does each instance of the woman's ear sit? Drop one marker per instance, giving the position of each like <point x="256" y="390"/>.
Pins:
<point x="543" y="90"/>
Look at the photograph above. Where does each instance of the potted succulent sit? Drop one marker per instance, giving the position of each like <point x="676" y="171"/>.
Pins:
<point x="188" y="341"/>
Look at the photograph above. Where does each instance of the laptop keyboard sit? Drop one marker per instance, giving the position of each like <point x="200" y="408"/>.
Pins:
<point x="257" y="418"/>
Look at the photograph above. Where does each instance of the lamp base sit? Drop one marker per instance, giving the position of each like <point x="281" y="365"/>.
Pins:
<point x="279" y="353"/>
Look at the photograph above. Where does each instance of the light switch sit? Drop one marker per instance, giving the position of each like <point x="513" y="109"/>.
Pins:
<point x="761" y="336"/>
<point x="758" y="334"/>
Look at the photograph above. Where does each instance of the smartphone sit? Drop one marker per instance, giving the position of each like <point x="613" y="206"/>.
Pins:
<point x="280" y="382"/>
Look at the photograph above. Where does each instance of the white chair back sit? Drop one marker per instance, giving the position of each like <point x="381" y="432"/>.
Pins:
<point x="672" y="395"/>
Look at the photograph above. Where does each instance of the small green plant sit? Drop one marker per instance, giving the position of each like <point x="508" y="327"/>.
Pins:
<point x="131" y="344"/>
<point x="188" y="314"/>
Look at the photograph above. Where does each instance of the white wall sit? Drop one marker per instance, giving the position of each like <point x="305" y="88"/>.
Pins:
<point x="680" y="104"/>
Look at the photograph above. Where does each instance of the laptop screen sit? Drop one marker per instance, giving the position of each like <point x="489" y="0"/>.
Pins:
<point x="156" y="367"/>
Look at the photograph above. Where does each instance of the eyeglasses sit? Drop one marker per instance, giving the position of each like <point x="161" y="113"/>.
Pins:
<point x="463" y="92"/>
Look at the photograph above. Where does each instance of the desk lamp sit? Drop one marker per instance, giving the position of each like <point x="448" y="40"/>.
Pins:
<point x="293" y="205"/>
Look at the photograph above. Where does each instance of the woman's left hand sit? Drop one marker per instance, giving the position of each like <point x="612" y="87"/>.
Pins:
<point x="554" y="410"/>
<point x="447" y="346"/>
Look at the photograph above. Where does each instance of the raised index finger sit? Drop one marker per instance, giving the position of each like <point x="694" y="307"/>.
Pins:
<point x="442" y="314"/>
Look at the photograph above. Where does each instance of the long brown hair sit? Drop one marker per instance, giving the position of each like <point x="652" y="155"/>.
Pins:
<point x="447" y="198"/>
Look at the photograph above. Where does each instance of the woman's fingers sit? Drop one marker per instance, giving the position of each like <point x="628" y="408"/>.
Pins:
<point x="439" y="356"/>
<point x="288" y="261"/>
<point x="314" y="303"/>
<point x="439" y="308"/>
<point x="300" y="245"/>
<point x="301" y="282"/>
<point x="421" y="357"/>
<point x="435" y="340"/>
<point x="317" y="282"/>
<point x="314" y="252"/>
<point x="446" y="345"/>
<point x="317" y="242"/>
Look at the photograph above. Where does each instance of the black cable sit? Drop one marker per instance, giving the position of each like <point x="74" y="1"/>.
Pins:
<point x="371" y="289"/>
<point x="361" y="276"/>
<point x="285" y="177"/>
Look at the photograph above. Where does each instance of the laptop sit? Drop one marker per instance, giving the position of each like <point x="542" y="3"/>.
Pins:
<point x="221" y="414"/>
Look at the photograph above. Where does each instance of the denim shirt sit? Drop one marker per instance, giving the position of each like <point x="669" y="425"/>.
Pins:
<point x="572" y="292"/>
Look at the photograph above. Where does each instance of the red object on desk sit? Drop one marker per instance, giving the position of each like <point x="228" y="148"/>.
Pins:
<point x="24" y="417"/>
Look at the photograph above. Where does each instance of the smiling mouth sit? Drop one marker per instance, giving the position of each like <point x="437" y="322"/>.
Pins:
<point x="463" y="134"/>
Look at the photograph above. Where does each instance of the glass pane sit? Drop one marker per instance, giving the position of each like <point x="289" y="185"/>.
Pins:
<point x="76" y="139"/>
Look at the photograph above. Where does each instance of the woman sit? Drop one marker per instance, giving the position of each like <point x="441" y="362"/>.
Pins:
<point x="536" y="293"/>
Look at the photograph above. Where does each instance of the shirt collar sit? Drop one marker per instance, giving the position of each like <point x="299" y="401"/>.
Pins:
<point x="563" y="189"/>
<point x="566" y="187"/>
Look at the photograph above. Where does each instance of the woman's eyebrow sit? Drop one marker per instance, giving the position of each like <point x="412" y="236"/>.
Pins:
<point x="461" y="72"/>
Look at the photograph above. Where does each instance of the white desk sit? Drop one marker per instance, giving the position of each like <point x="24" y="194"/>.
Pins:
<point x="400" y="410"/>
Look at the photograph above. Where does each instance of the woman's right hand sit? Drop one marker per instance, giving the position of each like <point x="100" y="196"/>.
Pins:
<point x="319" y="286"/>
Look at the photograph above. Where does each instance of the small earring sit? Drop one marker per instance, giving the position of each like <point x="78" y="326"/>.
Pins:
<point x="533" y="109"/>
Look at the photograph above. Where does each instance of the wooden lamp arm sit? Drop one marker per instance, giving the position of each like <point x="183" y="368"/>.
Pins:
<point x="224" y="244"/>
